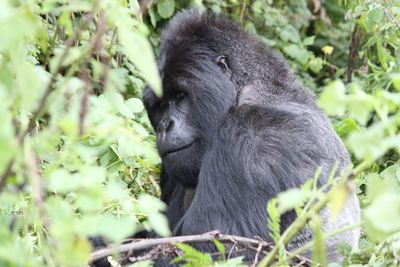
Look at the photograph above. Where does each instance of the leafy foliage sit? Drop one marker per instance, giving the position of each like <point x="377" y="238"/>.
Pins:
<point x="77" y="151"/>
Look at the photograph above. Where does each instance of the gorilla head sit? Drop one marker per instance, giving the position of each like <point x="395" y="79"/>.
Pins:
<point x="205" y="62"/>
<point x="197" y="94"/>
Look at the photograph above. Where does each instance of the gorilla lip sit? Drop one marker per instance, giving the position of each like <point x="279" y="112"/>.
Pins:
<point x="178" y="149"/>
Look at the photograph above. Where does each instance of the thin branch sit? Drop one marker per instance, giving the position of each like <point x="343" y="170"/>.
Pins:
<point x="85" y="77"/>
<point x="144" y="6"/>
<point x="8" y="172"/>
<point x="36" y="181"/>
<point x="243" y="11"/>
<point x="143" y="244"/>
<point x="259" y="248"/>
<point x="389" y="14"/>
<point x="50" y="48"/>
<point x="353" y="52"/>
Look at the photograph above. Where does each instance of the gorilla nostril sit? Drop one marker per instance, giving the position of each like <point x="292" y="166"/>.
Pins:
<point x="165" y="126"/>
<point x="169" y="125"/>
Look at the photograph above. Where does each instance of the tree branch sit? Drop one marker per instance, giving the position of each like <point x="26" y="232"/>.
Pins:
<point x="143" y="244"/>
<point x="353" y="52"/>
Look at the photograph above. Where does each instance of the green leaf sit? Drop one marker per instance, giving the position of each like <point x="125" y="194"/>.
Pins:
<point x="193" y="257"/>
<point x="109" y="226"/>
<point x="382" y="217"/>
<point x="309" y="40"/>
<point x="315" y="64"/>
<point x="392" y="172"/>
<point x="376" y="14"/>
<point x="166" y="8"/>
<point x="119" y="104"/>
<point x="61" y="181"/>
<point x="274" y="219"/>
<point x="319" y="250"/>
<point x="135" y="105"/>
<point x="396" y="80"/>
<point x="346" y="126"/>
<point x="159" y="223"/>
<point x="139" y="51"/>
<point x="332" y="99"/>
<point x="338" y="197"/>
<point x="220" y="247"/>
<point x="292" y="198"/>
<point x="298" y="53"/>
<point x="289" y="33"/>
<point x="371" y="143"/>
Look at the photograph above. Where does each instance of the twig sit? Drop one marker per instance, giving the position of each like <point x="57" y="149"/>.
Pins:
<point x="390" y="15"/>
<point x="144" y="5"/>
<point x="243" y="11"/>
<point x="353" y="52"/>
<point x="256" y="256"/>
<point x="85" y="76"/>
<point x="144" y="244"/>
<point x="6" y="174"/>
<point x="51" y="46"/>
<point x="231" y="250"/>
<point x="36" y="183"/>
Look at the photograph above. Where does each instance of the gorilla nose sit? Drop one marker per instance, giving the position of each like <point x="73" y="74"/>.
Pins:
<point x="166" y="126"/>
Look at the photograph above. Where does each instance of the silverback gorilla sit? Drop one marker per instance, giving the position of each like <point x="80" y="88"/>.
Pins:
<point x="234" y="128"/>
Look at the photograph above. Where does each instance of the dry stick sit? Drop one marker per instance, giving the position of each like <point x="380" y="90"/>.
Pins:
<point x="256" y="256"/>
<point x="353" y="52"/>
<point x="302" y="220"/>
<point x="144" y="244"/>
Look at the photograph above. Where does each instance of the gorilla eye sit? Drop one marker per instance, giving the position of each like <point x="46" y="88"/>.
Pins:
<point x="223" y="65"/>
<point x="180" y="96"/>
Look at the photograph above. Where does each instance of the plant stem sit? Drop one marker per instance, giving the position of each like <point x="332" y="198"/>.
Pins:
<point x="302" y="220"/>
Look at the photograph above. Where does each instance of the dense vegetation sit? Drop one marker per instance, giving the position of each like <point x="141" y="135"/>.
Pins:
<point x="77" y="153"/>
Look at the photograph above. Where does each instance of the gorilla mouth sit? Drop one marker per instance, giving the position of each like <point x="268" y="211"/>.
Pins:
<point x="172" y="151"/>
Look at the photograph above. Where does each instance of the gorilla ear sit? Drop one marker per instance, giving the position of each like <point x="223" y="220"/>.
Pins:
<point x="223" y="65"/>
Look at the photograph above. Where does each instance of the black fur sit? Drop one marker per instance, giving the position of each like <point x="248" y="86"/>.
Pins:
<point x="253" y="131"/>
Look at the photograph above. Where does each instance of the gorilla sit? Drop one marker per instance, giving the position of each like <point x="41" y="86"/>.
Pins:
<point x="234" y="128"/>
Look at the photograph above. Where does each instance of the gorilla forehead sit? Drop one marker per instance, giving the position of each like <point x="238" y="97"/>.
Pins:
<point x="186" y="59"/>
<point x="191" y="25"/>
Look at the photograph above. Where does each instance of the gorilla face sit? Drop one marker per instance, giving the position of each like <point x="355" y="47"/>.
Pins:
<point x="197" y="94"/>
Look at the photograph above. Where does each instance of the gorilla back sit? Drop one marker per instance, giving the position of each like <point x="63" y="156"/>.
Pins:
<point x="234" y="128"/>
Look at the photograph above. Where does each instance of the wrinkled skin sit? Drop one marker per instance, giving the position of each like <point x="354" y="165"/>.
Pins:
<point x="234" y="128"/>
